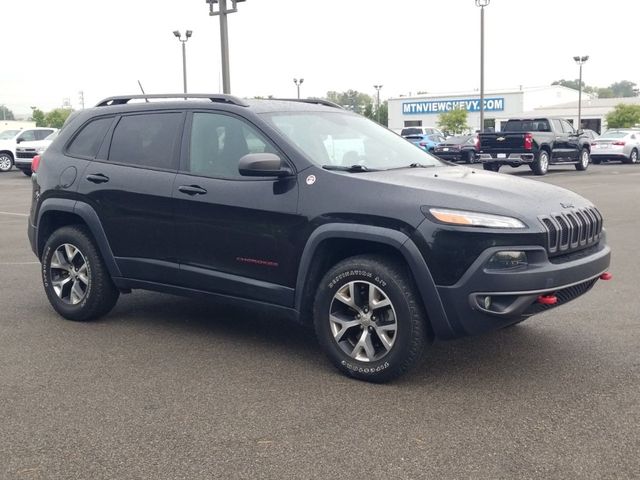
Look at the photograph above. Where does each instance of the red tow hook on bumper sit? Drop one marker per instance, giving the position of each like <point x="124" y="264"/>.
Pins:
<point x="547" y="299"/>
<point x="606" y="276"/>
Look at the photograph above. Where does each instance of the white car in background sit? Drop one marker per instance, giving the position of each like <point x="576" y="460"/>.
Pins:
<point x="10" y="139"/>
<point x="621" y="144"/>
<point x="27" y="150"/>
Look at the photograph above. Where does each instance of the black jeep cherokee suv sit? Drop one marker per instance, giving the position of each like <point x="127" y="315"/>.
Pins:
<point x="302" y="207"/>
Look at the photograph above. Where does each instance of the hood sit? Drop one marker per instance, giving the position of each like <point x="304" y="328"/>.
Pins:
<point x="34" y="144"/>
<point x="477" y="190"/>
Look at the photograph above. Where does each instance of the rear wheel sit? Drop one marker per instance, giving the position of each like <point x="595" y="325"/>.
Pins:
<point x="75" y="278"/>
<point x="540" y="165"/>
<point x="470" y="157"/>
<point x="583" y="162"/>
<point x="6" y="162"/>
<point x="369" y="318"/>
<point x="491" y="166"/>
<point x="633" y="157"/>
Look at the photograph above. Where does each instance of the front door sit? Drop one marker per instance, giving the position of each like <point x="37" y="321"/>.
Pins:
<point x="234" y="233"/>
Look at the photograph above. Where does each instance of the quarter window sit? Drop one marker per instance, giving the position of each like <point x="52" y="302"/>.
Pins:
<point x="88" y="141"/>
<point x="147" y="140"/>
<point x="218" y="142"/>
<point x="42" y="134"/>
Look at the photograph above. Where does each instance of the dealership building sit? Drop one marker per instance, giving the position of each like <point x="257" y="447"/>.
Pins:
<point x="499" y="105"/>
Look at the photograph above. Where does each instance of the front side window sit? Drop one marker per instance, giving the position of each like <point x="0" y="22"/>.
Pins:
<point x="28" y="136"/>
<point x="567" y="127"/>
<point x="337" y="139"/>
<point x="147" y="140"/>
<point x="88" y="141"/>
<point x="218" y="142"/>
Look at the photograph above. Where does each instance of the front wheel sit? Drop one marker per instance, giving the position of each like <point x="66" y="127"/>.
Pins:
<point x="585" y="158"/>
<point x="471" y="157"/>
<point x="540" y="166"/>
<point x="369" y="318"/>
<point x="633" y="157"/>
<point x="28" y="173"/>
<point x="75" y="278"/>
<point x="6" y="162"/>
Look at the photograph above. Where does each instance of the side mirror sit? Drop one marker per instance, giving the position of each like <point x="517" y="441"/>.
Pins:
<point x="580" y="132"/>
<point x="19" y="140"/>
<point x="263" y="165"/>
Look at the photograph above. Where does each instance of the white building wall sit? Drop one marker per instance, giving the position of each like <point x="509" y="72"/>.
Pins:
<point x="15" y="125"/>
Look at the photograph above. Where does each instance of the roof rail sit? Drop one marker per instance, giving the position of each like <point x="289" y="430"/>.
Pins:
<point x="317" y="101"/>
<point x="214" y="97"/>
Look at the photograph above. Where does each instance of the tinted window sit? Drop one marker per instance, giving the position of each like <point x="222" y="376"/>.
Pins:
<point x="27" y="136"/>
<point x="88" y="141"/>
<point x="535" y="125"/>
<point x="411" y="131"/>
<point x="219" y="141"/>
<point x="567" y="127"/>
<point x="148" y="140"/>
<point x="42" y="134"/>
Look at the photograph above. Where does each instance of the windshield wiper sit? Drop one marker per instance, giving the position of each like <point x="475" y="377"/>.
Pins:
<point x="412" y="165"/>
<point x="351" y="168"/>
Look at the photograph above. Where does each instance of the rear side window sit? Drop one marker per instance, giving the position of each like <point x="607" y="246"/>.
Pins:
<point x="147" y="140"/>
<point x="88" y="141"/>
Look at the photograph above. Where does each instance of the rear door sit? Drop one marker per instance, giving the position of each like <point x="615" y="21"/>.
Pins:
<point x="572" y="139"/>
<point x="129" y="185"/>
<point x="234" y="234"/>
<point x="560" y="144"/>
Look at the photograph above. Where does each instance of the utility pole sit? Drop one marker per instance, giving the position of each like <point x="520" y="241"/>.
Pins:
<point x="81" y="96"/>
<point x="222" y="12"/>
<point x="580" y="61"/>
<point x="482" y="4"/>
<point x="378" y="87"/>
<point x="178" y="35"/>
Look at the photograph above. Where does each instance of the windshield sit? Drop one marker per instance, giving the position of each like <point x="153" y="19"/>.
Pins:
<point x="614" y="134"/>
<point x="537" y="125"/>
<point x="8" y="134"/>
<point x="342" y="139"/>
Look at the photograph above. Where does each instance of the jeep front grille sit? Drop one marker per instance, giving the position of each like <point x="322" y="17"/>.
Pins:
<point x="572" y="230"/>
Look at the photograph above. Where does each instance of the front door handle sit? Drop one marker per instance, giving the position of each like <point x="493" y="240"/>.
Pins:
<point x="192" y="190"/>
<point x="97" y="178"/>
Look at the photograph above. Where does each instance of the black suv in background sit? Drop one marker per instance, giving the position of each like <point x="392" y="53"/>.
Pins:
<point x="305" y="208"/>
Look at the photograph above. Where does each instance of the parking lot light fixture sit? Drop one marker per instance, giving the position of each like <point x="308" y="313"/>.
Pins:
<point x="482" y="4"/>
<point x="378" y="87"/>
<point x="580" y="61"/>
<point x="178" y="35"/>
<point x="298" y="83"/>
<point x="222" y="12"/>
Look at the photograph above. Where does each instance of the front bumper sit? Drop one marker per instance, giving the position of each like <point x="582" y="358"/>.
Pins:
<point x="514" y="293"/>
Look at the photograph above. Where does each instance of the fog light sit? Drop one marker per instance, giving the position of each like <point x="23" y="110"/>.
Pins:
<point x="507" y="259"/>
<point x="487" y="302"/>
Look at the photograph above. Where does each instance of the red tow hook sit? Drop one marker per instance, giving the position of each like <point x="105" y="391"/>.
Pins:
<point x="547" y="299"/>
<point x="606" y="276"/>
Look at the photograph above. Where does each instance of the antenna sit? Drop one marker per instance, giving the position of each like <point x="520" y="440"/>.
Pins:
<point x="142" y="89"/>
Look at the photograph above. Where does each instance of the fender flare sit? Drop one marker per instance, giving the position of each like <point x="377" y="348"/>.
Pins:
<point x="90" y="218"/>
<point x="393" y="238"/>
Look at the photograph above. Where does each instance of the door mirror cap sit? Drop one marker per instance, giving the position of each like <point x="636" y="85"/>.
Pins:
<point x="19" y="140"/>
<point x="580" y="132"/>
<point x="263" y="165"/>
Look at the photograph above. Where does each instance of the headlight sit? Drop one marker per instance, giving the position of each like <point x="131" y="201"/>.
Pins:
<point x="475" y="219"/>
<point x="39" y="150"/>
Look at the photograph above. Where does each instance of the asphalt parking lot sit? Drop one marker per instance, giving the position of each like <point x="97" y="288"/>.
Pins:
<point x="166" y="387"/>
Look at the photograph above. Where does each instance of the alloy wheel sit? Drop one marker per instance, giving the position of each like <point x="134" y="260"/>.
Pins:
<point x="363" y="321"/>
<point x="5" y="163"/>
<point x="69" y="274"/>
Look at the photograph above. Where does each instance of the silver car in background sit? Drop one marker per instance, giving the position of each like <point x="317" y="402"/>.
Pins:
<point x="620" y="144"/>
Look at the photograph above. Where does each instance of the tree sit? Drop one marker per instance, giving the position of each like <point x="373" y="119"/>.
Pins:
<point x="37" y="116"/>
<point x="575" y="84"/>
<point x="624" y="88"/>
<point x="368" y="111"/>
<point x="5" y="113"/>
<point x="454" y="121"/>
<point x="384" y="114"/>
<point x="351" y="99"/>
<point x="56" y="117"/>
<point x="624" y="116"/>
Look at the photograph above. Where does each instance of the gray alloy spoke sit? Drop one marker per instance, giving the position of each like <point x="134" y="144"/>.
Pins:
<point x="59" y="262"/>
<point x="347" y="296"/>
<point x="76" y="293"/>
<point x="377" y="299"/>
<point x="82" y="274"/>
<point x="339" y="326"/>
<point x="58" y="285"/>
<point x="383" y="334"/>
<point x="70" y="251"/>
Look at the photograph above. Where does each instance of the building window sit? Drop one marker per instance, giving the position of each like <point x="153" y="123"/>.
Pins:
<point x="413" y="123"/>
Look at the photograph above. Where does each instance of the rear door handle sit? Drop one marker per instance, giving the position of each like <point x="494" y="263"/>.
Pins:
<point x="97" y="178"/>
<point x="192" y="190"/>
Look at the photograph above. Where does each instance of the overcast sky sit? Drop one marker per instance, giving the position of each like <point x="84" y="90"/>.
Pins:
<point x="54" y="49"/>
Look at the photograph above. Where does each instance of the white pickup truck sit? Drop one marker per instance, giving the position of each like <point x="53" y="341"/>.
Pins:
<point x="10" y="139"/>
<point x="27" y="150"/>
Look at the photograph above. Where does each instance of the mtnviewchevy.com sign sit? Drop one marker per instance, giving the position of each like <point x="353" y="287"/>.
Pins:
<point x="442" y="106"/>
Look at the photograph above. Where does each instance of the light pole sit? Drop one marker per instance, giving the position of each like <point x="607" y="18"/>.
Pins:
<point x="482" y="4"/>
<point x="187" y="35"/>
<point x="580" y="61"/>
<point x="298" y="83"/>
<point x="378" y="87"/>
<point x="222" y="12"/>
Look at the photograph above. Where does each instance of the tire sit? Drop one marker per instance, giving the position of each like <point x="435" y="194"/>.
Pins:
<point x="28" y="173"/>
<point x="71" y="263"/>
<point x="343" y="309"/>
<point x="540" y="166"/>
<point x="583" y="162"/>
<point x="470" y="157"/>
<point x="492" y="167"/>
<point x="633" y="157"/>
<point x="596" y="161"/>
<point x="6" y="162"/>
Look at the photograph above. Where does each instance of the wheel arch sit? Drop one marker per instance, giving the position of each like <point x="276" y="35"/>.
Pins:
<point x="56" y="213"/>
<point x="10" y="154"/>
<point x="331" y="243"/>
